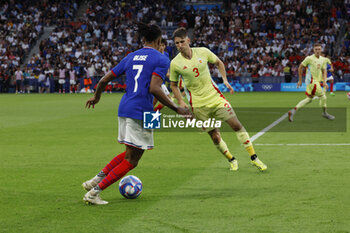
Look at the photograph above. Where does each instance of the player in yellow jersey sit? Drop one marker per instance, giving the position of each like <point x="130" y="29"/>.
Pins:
<point x="205" y="99"/>
<point x="316" y="73"/>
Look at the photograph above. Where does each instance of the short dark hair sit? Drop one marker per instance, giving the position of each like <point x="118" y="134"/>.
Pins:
<point x="150" y="32"/>
<point x="317" y="44"/>
<point x="180" y="32"/>
<point x="163" y="41"/>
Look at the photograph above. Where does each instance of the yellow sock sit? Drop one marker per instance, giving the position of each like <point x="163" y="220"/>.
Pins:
<point x="323" y="101"/>
<point x="222" y="147"/>
<point x="250" y="150"/>
<point x="228" y="155"/>
<point x="243" y="138"/>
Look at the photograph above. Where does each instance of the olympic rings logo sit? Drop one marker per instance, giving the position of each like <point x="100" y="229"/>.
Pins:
<point x="267" y="87"/>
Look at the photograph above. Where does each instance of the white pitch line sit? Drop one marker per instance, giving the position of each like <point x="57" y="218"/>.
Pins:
<point x="276" y="122"/>
<point x="304" y="144"/>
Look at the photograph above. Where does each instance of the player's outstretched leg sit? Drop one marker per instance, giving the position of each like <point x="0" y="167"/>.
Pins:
<point x="331" y="87"/>
<point x="291" y="114"/>
<point x="301" y="104"/>
<point x="323" y="104"/>
<point x="88" y="185"/>
<point x="132" y="156"/>
<point x="243" y="138"/>
<point x="222" y="147"/>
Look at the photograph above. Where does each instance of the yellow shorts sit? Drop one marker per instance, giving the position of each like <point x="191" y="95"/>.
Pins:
<point x="220" y="110"/>
<point x="314" y="89"/>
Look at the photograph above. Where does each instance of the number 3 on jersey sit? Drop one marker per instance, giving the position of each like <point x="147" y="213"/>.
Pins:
<point x="139" y="70"/>
<point x="196" y="71"/>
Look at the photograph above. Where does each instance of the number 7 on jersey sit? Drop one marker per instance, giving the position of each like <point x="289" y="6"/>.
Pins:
<point x="139" y="70"/>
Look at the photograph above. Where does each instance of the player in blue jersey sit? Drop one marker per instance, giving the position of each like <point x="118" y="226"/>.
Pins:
<point x="162" y="48"/>
<point x="145" y="71"/>
<point x="329" y="73"/>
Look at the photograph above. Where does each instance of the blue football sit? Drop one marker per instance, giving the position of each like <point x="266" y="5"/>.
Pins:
<point x="130" y="187"/>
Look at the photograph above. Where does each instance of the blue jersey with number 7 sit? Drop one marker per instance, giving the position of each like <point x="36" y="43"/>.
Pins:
<point x="139" y="67"/>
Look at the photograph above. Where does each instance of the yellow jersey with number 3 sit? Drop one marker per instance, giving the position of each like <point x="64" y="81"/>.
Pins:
<point x="196" y="75"/>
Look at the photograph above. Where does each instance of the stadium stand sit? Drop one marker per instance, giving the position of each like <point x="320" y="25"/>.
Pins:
<point x="262" y="37"/>
<point x="259" y="41"/>
<point x="98" y="40"/>
<point x="21" y="26"/>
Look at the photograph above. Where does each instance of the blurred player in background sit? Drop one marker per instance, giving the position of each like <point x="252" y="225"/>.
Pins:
<point x="72" y="81"/>
<point x="206" y="99"/>
<point x="19" y="80"/>
<point x="330" y="71"/>
<point x="62" y="79"/>
<point x="89" y="74"/>
<point x="316" y="73"/>
<point x="145" y="71"/>
<point x="162" y="48"/>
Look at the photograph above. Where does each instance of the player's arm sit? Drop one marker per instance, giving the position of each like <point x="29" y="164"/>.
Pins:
<point x="177" y="94"/>
<point x="174" y="78"/>
<point x="155" y="99"/>
<point x="100" y="87"/>
<point x="300" y="74"/>
<point x="156" y="90"/>
<point x="221" y="66"/>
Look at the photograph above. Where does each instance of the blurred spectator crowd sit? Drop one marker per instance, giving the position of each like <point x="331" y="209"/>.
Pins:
<point x="21" y="25"/>
<point x="271" y="38"/>
<point x="253" y="38"/>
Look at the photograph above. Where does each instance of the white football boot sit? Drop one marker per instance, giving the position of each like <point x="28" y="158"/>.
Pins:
<point x="328" y="116"/>
<point x="88" y="185"/>
<point x="93" y="198"/>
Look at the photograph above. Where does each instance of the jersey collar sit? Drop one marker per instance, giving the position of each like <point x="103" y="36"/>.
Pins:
<point x="147" y="47"/>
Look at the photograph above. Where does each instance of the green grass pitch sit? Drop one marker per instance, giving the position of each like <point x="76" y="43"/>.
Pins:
<point x="50" y="144"/>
